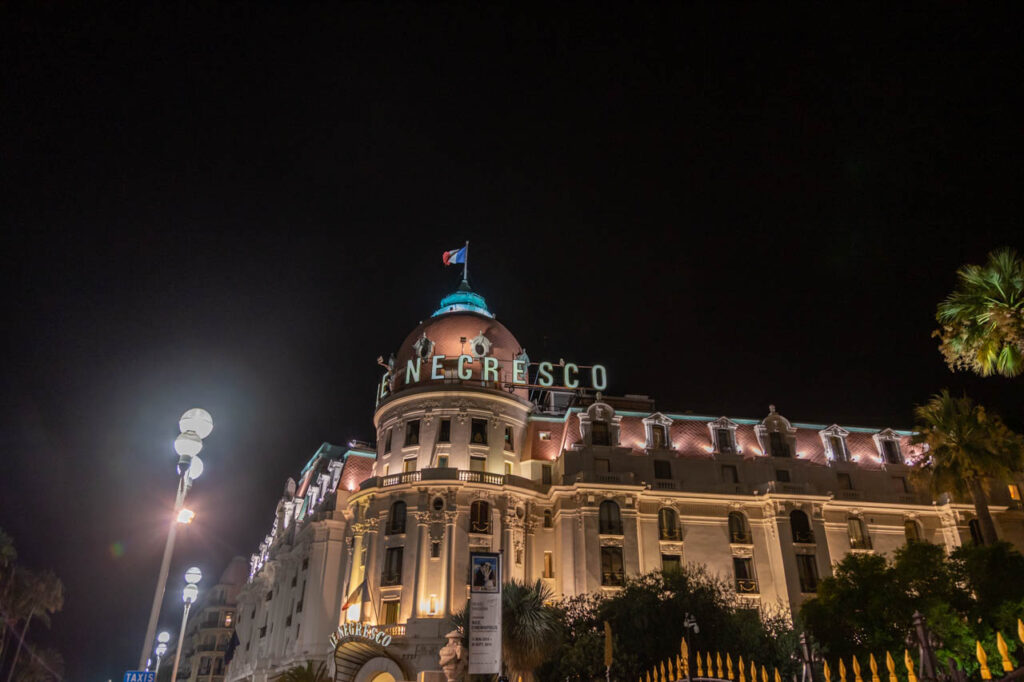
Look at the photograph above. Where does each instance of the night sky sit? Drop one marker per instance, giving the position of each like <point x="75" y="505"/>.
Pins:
<point x="216" y="205"/>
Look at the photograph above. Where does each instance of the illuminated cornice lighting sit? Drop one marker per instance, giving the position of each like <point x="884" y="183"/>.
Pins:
<point x="186" y="516"/>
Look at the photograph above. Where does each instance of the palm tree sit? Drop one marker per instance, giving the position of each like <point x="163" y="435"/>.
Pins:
<point x="983" y="319"/>
<point x="966" y="448"/>
<point x="41" y="594"/>
<point x="305" y="673"/>
<point x="531" y="630"/>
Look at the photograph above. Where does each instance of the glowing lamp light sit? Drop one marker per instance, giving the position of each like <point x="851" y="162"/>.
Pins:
<point x="433" y="605"/>
<point x="195" y="468"/>
<point x="353" y="612"/>
<point x="189" y="594"/>
<point x="188" y="444"/>
<point x="193" y="575"/>
<point x="708" y="449"/>
<point x="186" y="516"/>
<point x="198" y="421"/>
<point x="164" y="637"/>
<point x="161" y="649"/>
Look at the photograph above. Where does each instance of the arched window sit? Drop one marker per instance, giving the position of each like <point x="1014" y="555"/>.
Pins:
<point x="739" y="532"/>
<point x="608" y="518"/>
<point x="800" y="526"/>
<point x="858" y="538"/>
<point x="480" y="517"/>
<point x="976" y="537"/>
<point x="396" y="520"/>
<point x="668" y="525"/>
<point x="548" y="523"/>
<point x="912" y="531"/>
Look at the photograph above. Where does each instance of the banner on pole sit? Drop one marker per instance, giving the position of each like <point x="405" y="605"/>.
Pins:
<point x="485" y="613"/>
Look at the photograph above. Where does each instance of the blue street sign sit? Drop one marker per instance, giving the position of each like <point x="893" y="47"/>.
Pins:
<point x="139" y="676"/>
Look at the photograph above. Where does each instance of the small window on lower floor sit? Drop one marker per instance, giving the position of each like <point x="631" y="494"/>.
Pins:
<point x="442" y="461"/>
<point x="549" y="565"/>
<point x="508" y="468"/>
<point x="807" y="567"/>
<point x="545" y="474"/>
<point x="662" y="468"/>
<point x="409" y="465"/>
<point x="544" y="435"/>
<point x="435" y="550"/>
<point x="746" y="581"/>
<point x="477" y="463"/>
<point x="671" y="563"/>
<point x="782" y="475"/>
<point x="611" y="566"/>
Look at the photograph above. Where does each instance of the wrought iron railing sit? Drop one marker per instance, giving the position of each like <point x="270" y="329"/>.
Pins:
<point x="746" y="586"/>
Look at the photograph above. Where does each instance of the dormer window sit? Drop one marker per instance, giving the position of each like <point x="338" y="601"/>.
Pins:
<point x="599" y="433"/>
<point x="888" y="444"/>
<point x="776" y="435"/>
<point x="599" y="425"/>
<point x="656" y="428"/>
<point x="834" y="440"/>
<point x="723" y="436"/>
<point x="778" y="445"/>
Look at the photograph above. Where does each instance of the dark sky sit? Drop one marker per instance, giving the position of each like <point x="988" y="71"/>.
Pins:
<point x="216" y="205"/>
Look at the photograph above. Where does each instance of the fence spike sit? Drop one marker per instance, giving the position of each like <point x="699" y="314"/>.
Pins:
<point x="683" y="666"/>
<point x="684" y="651"/>
<point x="778" y="678"/>
<point x="753" y="672"/>
<point x="842" y="671"/>
<point x="728" y="666"/>
<point x="986" y="674"/>
<point x="890" y="664"/>
<point x="711" y="669"/>
<point x="1004" y="652"/>
<point x="825" y="669"/>
<point x="1020" y="629"/>
<point x="873" y="664"/>
<point x="764" y="674"/>
<point x="909" y="662"/>
<point x="662" y="667"/>
<point x="648" y="676"/>
<point x="856" y="670"/>
<point x="739" y="665"/>
<point x="718" y="664"/>
<point x="700" y="667"/>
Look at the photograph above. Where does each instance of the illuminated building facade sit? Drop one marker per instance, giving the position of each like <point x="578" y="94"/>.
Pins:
<point x="480" y="448"/>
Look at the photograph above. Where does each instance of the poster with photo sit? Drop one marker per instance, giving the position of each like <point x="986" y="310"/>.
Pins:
<point x="484" y="613"/>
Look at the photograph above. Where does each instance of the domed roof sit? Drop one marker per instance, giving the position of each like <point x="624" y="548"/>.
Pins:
<point x="775" y="421"/>
<point x="463" y="325"/>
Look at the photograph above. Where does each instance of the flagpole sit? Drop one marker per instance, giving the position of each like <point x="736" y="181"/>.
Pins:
<point x="465" y="265"/>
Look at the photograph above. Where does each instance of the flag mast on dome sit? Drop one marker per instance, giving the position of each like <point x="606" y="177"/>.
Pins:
<point x="456" y="256"/>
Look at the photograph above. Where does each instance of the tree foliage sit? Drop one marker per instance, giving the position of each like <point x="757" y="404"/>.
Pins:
<point x="868" y="604"/>
<point x="966" y="447"/>
<point x="304" y="673"/>
<point x="983" y="318"/>
<point x="646" y="618"/>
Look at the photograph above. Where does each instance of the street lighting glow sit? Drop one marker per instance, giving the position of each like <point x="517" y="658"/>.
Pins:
<point x="195" y="468"/>
<point x="164" y="637"/>
<point x="189" y="594"/>
<point x="161" y="649"/>
<point x="193" y="575"/>
<point x="198" y="421"/>
<point x="186" y="516"/>
<point x="188" y="444"/>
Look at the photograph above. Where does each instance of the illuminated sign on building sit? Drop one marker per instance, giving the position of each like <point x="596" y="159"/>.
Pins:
<point x="358" y="630"/>
<point x="549" y="375"/>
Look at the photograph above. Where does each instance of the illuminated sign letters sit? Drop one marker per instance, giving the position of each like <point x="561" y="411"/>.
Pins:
<point x="351" y="630"/>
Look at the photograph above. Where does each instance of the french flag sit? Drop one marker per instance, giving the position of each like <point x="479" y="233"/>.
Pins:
<point x="454" y="256"/>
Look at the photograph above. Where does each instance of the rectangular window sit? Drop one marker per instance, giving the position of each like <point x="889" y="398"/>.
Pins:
<point x="508" y="438"/>
<point x="508" y="468"/>
<point x="671" y="563"/>
<point x="435" y="550"/>
<point x="603" y="466"/>
<point x="412" y="433"/>
<point x="1014" y="492"/>
<point x="478" y="432"/>
<point x="746" y="582"/>
<point x="807" y="567"/>
<point x="444" y="431"/>
<point x="204" y="665"/>
<point x="858" y="539"/>
<point x="392" y="574"/>
<point x="611" y="566"/>
<point x="387" y="441"/>
<point x="387" y="469"/>
<point x="837" y="445"/>
<point x="477" y="463"/>
<point x="544" y="435"/>
<point x="549" y="565"/>
<point x="778" y="444"/>
<point x="545" y="474"/>
<point x="442" y="461"/>
<point x="782" y="475"/>
<point x="844" y="481"/>
<point x="409" y="464"/>
<point x="662" y="468"/>
<point x="724" y="441"/>
<point x="599" y="433"/>
<point x="391" y="611"/>
<point x="730" y="474"/>
<point x="891" y="451"/>
<point x="659" y="437"/>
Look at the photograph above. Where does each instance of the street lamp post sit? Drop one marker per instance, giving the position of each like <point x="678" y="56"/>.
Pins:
<point x="161" y="649"/>
<point x="192" y="577"/>
<point x="195" y="425"/>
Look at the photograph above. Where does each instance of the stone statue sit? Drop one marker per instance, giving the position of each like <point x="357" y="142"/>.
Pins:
<point x="452" y="655"/>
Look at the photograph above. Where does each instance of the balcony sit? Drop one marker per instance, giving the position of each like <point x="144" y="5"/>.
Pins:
<point x="612" y="578"/>
<point x="863" y="543"/>
<point x="450" y="474"/>
<point x="387" y="579"/>
<point x="746" y="586"/>
<point x="740" y="537"/>
<point x="394" y="630"/>
<point x="804" y="537"/>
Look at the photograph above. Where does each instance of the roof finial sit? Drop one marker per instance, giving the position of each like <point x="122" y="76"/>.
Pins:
<point x="771" y="409"/>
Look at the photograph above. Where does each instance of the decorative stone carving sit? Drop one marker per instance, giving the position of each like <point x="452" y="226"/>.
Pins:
<point x="452" y="656"/>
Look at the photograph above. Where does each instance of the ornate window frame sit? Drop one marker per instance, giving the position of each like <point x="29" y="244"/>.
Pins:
<point x="764" y="439"/>
<point x="600" y="412"/>
<point x="888" y="435"/>
<point x="481" y="340"/>
<point x="835" y="431"/>
<point x="723" y="423"/>
<point x="423" y="347"/>
<point x="660" y="420"/>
